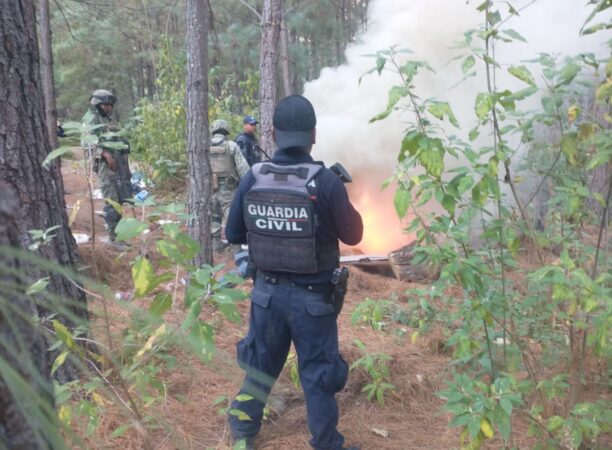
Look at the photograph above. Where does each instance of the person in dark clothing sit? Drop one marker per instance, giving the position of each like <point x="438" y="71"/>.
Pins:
<point x="248" y="142"/>
<point x="60" y="130"/>
<point x="292" y="211"/>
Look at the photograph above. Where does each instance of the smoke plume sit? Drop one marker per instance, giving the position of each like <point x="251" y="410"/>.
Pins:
<point x="430" y="28"/>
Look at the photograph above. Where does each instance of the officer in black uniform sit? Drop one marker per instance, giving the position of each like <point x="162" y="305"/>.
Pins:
<point x="248" y="142"/>
<point x="292" y="211"/>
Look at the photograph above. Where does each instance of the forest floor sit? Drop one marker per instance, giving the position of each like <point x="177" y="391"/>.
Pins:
<point x="411" y="417"/>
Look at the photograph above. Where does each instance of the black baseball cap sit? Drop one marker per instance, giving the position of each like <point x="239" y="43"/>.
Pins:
<point x="294" y="121"/>
<point x="250" y="120"/>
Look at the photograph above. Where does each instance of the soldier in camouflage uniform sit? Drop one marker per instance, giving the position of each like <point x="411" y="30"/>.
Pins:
<point x="108" y="151"/>
<point x="228" y="166"/>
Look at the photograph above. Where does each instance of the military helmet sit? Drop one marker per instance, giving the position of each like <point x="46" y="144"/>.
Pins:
<point x="102" y="96"/>
<point x="219" y="126"/>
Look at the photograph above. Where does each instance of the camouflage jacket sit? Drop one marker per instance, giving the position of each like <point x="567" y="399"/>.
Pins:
<point x="241" y="166"/>
<point x="97" y="129"/>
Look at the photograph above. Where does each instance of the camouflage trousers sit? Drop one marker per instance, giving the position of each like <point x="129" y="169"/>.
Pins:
<point x="116" y="187"/>
<point x="221" y="201"/>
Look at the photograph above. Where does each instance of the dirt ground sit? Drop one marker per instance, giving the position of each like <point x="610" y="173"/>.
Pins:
<point x="411" y="417"/>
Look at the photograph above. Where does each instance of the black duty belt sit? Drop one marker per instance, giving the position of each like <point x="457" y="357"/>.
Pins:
<point x="285" y="279"/>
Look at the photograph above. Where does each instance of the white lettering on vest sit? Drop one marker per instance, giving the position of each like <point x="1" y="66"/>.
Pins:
<point x="278" y="212"/>
<point x="277" y="225"/>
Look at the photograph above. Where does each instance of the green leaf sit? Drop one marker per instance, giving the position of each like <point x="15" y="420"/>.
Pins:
<point x="514" y="246"/>
<point x="230" y="312"/>
<point x="128" y="227"/>
<point x="401" y="202"/>
<point x="431" y="155"/>
<point x="483" y="5"/>
<point x="220" y="399"/>
<point x="190" y="246"/>
<point x="441" y="109"/>
<point x="119" y="431"/>
<point x="410" y="144"/>
<point x="56" y="154"/>
<point x="494" y="17"/>
<point x="202" y="340"/>
<point x="380" y="64"/>
<point x="239" y="414"/>
<point x="63" y="334"/>
<point x="169" y="249"/>
<point x="554" y="423"/>
<point x="468" y="63"/>
<point x="244" y="397"/>
<point x="396" y="93"/>
<point x="523" y="74"/>
<point x="465" y="184"/>
<point x="601" y="6"/>
<point x="142" y="276"/>
<point x="448" y="203"/>
<point x="596" y="28"/>
<point x="514" y="35"/>
<point x="506" y="405"/>
<point x="61" y="358"/>
<point x="160" y="304"/>
<point x="484" y="103"/>
<point x="479" y="193"/>
<point x="171" y="208"/>
<point x="569" y="146"/>
<point x="38" y="286"/>
<point x="474" y="133"/>
<point x="568" y="73"/>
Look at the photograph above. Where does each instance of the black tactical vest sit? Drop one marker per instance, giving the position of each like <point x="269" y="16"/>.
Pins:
<point x="281" y="220"/>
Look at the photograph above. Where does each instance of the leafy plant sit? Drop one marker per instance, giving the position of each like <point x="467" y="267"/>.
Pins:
<point x="294" y="373"/>
<point x="372" y="312"/>
<point x="41" y="237"/>
<point x="376" y="367"/>
<point x="503" y="309"/>
<point x="133" y="367"/>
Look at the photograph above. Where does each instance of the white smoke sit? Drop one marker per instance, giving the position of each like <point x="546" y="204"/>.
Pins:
<point x="430" y="28"/>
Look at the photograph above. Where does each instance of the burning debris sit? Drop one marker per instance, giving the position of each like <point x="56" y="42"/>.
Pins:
<point x="403" y="269"/>
<point x="397" y="264"/>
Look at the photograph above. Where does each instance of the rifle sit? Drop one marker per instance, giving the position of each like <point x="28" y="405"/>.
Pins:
<point x="258" y="147"/>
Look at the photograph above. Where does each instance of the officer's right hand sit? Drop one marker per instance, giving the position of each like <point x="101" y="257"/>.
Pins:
<point x="109" y="160"/>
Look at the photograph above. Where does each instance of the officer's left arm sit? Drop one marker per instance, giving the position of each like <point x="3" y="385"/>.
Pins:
<point x="235" y="228"/>
<point x="347" y="220"/>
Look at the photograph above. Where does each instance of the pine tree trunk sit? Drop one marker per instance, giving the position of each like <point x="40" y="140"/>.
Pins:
<point x="268" y="62"/>
<point x="199" y="189"/>
<point x="216" y="57"/>
<point x="284" y="50"/>
<point x="23" y="147"/>
<point x="21" y="347"/>
<point x="46" y="71"/>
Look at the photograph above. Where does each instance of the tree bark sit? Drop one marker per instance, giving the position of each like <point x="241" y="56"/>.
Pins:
<point x="268" y="62"/>
<point x="48" y="84"/>
<point x="23" y="147"/>
<point x="284" y="52"/>
<point x="199" y="189"/>
<point x="216" y="57"/>
<point x="46" y="71"/>
<point x="22" y="348"/>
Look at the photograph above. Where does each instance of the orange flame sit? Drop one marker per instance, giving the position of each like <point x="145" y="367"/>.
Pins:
<point x="383" y="230"/>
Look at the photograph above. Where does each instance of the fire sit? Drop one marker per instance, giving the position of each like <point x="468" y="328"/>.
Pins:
<point x="382" y="227"/>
